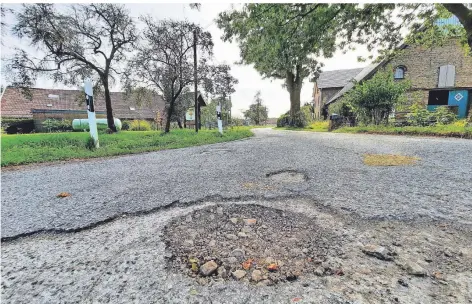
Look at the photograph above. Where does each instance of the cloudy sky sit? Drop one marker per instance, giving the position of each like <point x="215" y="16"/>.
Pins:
<point x="274" y="96"/>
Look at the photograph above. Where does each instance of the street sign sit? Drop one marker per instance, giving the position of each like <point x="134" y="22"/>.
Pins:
<point x="190" y="114"/>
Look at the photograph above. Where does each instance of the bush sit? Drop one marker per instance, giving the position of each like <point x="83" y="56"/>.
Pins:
<point x="57" y="125"/>
<point x="307" y="111"/>
<point x="125" y="125"/>
<point x="444" y="115"/>
<point x="298" y="121"/>
<point x="420" y="116"/>
<point x="373" y="100"/>
<point x="140" y="125"/>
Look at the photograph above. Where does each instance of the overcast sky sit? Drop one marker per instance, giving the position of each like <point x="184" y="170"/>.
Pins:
<point x="274" y="96"/>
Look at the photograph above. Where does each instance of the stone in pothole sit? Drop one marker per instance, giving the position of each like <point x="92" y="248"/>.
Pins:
<point x="266" y="245"/>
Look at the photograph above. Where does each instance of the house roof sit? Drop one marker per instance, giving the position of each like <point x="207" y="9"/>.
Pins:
<point x="336" y="78"/>
<point x="365" y="72"/>
<point x="14" y="104"/>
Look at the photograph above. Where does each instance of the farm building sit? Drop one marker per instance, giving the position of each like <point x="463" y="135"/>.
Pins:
<point x="440" y="75"/>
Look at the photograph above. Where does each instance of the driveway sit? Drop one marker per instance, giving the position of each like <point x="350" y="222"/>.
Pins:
<point x="102" y="244"/>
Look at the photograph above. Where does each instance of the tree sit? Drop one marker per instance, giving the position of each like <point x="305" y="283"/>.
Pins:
<point x="3" y="12"/>
<point x="374" y="25"/>
<point x="257" y="112"/>
<point x="279" y="48"/>
<point x="374" y="100"/>
<point x="182" y="104"/>
<point x="164" y="61"/>
<point x="84" y="41"/>
<point x="219" y="84"/>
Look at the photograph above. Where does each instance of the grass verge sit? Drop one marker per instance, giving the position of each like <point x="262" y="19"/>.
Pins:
<point x="317" y="126"/>
<point x="44" y="147"/>
<point x="452" y="130"/>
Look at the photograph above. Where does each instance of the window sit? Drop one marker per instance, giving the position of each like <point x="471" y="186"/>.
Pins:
<point x="447" y="76"/>
<point x="399" y="72"/>
<point x="438" y="98"/>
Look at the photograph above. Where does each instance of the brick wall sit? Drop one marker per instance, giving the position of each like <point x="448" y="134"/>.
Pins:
<point x="422" y="65"/>
<point x="326" y="94"/>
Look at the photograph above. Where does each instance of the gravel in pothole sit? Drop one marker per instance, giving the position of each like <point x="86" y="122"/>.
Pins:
<point x="250" y="243"/>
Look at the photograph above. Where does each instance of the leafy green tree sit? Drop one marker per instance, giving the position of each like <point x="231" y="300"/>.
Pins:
<point x="220" y="84"/>
<point x="164" y="60"/>
<point x="374" y="100"/>
<point x="279" y="48"/>
<point x="257" y="112"/>
<point x="84" y="41"/>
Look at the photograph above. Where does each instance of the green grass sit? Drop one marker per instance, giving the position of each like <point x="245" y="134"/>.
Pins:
<point x="44" y="147"/>
<point x="453" y="130"/>
<point x="317" y="126"/>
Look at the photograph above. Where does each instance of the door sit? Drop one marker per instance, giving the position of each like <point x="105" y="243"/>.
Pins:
<point x="459" y="99"/>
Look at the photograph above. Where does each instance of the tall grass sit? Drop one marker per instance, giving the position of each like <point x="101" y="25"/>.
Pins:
<point x="43" y="147"/>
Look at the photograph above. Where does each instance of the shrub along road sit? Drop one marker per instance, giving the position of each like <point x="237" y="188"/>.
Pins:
<point x="322" y="175"/>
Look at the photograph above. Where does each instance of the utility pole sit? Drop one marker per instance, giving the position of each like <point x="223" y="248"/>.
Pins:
<point x="195" y="78"/>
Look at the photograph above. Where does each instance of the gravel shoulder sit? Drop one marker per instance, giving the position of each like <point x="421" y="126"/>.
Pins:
<point x="437" y="187"/>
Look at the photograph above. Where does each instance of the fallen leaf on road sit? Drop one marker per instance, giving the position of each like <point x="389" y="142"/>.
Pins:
<point x="296" y="299"/>
<point x="272" y="267"/>
<point x="247" y="264"/>
<point x="63" y="194"/>
<point x="437" y="275"/>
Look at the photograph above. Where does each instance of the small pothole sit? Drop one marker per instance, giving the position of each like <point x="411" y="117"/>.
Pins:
<point x="287" y="176"/>
<point x="249" y="243"/>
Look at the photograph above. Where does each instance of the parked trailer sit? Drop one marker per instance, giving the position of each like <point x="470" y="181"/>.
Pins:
<point x="83" y="124"/>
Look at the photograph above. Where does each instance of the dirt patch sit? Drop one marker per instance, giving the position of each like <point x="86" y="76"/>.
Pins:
<point x="389" y="160"/>
<point x="250" y="243"/>
<point x="287" y="176"/>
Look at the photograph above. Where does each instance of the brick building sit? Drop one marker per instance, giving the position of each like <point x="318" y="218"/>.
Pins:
<point x="440" y="76"/>
<point x="70" y="104"/>
<point x="328" y="84"/>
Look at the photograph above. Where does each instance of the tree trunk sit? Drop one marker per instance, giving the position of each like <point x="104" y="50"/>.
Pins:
<point x="179" y="123"/>
<point x="169" y="114"/>
<point x="294" y="88"/>
<point x="110" y="119"/>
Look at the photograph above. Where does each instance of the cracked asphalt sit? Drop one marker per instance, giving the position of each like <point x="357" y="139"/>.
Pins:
<point x="108" y="247"/>
<point x="438" y="187"/>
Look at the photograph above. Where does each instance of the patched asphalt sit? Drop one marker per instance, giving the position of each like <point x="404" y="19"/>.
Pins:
<point x="438" y="187"/>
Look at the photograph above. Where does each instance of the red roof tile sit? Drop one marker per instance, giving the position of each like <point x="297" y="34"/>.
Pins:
<point x="14" y="104"/>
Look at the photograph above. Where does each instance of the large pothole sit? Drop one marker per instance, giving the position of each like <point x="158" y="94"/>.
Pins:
<point x="287" y="176"/>
<point x="250" y="243"/>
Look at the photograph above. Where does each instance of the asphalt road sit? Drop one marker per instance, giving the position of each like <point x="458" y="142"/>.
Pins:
<point x="439" y="186"/>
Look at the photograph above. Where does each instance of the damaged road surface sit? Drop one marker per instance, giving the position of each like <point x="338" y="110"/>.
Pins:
<point x="149" y="259"/>
<point x="280" y="218"/>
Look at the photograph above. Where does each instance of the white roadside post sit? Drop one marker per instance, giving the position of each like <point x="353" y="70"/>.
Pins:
<point x="218" y="115"/>
<point x="88" y="88"/>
